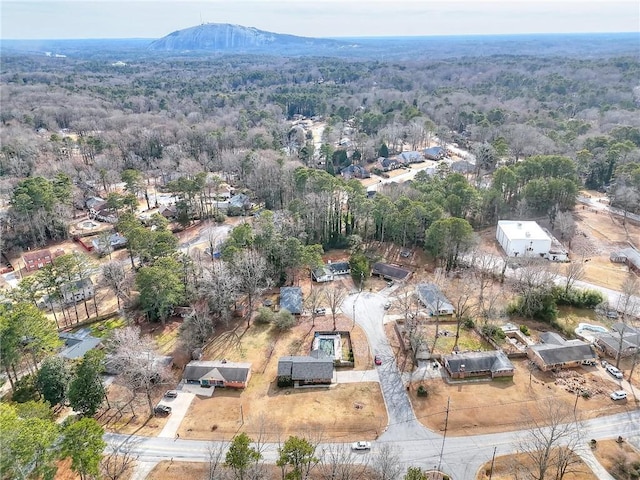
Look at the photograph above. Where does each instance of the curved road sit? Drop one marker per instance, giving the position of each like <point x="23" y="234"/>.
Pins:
<point x="415" y="444"/>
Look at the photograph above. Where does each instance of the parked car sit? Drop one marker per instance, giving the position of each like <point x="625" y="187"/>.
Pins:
<point x="377" y="360"/>
<point x="171" y="394"/>
<point x="614" y="371"/>
<point x="162" y="410"/>
<point x="387" y="305"/>
<point x="589" y="363"/>
<point x="390" y="283"/>
<point x="359" y="446"/>
<point x="618" y="395"/>
<point x="320" y="311"/>
<point x="405" y="253"/>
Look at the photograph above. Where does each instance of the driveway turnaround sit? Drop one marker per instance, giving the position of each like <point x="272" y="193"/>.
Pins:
<point x="179" y="407"/>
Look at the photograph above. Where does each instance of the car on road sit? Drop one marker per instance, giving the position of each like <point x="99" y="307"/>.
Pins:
<point x="614" y="371"/>
<point x="320" y="311"/>
<point x="361" y="446"/>
<point x="171" y="394"/>
<point x="377" y="360"/>
<point x="618" y="395"/>
<point x="162" y="410"/>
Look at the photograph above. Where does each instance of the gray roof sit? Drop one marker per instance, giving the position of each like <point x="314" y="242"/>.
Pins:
<point x="431" y="296"/>
<point x="218" y="370"/>
<point x="306" y="368"/>
<point x="239" y="201"/>
<point x="624" y="328"/>
<point x="390" y="271"/>
<point x="571" y="351"/>
<point x="632" y="255"/>
<point x="291" y="299"/>
<point x="77" y="344"/>
<point x="339" y="267"/>
<point x="630" y="341"/>
<point x="411" y="157"/>
<point x="77" y="285"/>
<point x="552" y="338"/>
<point x="494" y="361"/>
<point x="434" y="152"/>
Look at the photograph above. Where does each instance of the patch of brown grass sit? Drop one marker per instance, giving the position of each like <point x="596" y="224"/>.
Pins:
<point x="613" y="455"/>
<point x="506" y="467"/>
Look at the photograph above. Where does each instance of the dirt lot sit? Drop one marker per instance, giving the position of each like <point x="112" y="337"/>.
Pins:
<point x="505" y="468"/>
<point x="612" y="455"/>
<point x="340" y="413"/>
<point x="473" y="403"/>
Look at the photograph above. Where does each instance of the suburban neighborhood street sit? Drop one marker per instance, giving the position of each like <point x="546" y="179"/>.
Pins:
<point x="460" y="457"/>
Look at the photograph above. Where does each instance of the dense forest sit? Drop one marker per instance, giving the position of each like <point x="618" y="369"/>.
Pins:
<point x="540" y="127"/>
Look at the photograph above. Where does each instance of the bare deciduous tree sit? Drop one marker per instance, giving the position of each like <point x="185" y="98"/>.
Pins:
<point x="335" y="295"/>
<point x="386" y="465"/>
<point x="574" y="273"/>
<point x="250" y="269"/>
<point x="215" y="461"/>
<point x="552" y="435"/>
<point x="135" y="358"/>
<point x="114" y="277"/>
<point x="118" y="461"/>
<point x="338" y="462"/>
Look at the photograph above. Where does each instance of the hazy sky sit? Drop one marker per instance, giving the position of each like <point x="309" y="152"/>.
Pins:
<point x="48" y="19"/>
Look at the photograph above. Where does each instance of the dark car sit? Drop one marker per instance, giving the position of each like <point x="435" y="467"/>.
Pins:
<point x="377" y="360"/>
<point x="162" y="410"/>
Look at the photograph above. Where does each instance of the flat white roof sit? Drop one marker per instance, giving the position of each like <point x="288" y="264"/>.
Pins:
<point x="519" y="230"/>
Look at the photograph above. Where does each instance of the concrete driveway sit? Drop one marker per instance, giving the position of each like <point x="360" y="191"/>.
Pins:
<point x="355" y="376"/>
<point x="179" y="407"/>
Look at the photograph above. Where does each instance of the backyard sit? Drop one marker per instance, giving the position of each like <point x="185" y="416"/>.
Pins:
<point x="340" y="412"/>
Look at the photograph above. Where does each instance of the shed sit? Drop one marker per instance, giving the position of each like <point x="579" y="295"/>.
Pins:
<point x="291" y="299"/>
<point x="479" y="364"/>
<point x="519" y="238"/>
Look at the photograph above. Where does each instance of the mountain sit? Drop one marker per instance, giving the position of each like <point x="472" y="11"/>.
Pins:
<point x="224" y="37"/>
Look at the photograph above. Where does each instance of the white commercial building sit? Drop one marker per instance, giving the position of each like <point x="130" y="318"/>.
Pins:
<point x="520" y="239"/>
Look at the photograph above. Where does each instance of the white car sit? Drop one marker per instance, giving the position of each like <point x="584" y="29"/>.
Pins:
<point x="618" y="395"/>
<point x="614" y="371"/>
<point x="359" y="446"/>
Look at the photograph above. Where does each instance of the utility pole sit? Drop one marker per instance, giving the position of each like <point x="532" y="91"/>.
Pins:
<point x="444" y="437"/>
<point x="493" y="459"/>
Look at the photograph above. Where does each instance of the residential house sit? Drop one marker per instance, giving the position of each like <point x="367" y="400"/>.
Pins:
<point x="462" y="166"/>
<point x="291" y="299"/>
<point x="624" y="341"/>
<point x="77" y="344"/>
<point x="387" y="164"/>
<point x="355" y="171"/>
<point x="390" y="272"/>
<point x="238" y="204"/>
<point x="327" y="272"/>
<point x="168" y="211"/>
<point x="556" y="352"/>
<point x="434" y="153"/>
<point x="315" y="369"/>
<point x="94" y="202"/>
<point x="218" y="373"/>
<point x="114" y="242"/>
<point x="75" y="291"/>
<point x="103" y="213"/>
<point x="322" y="274"/>
<point x="37" y="260"/>
<point x="406" y="158"/>
<point x="479" y="364"/>
<point x="433" y="299"/>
